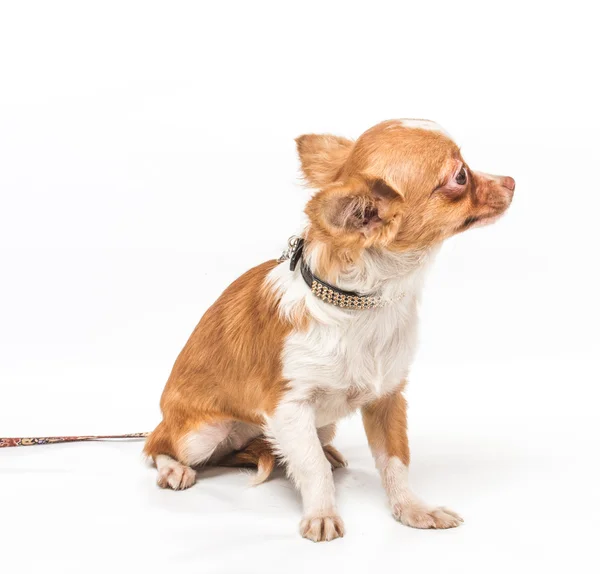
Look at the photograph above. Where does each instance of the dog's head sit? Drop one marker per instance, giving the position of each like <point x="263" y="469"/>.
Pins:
<point x="403" y="185"/>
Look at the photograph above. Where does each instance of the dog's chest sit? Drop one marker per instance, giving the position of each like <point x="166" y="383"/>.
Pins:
<point x="346" y="364"/>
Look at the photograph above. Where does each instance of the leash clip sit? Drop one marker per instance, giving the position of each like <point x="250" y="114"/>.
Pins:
<point x="293" y="251"/>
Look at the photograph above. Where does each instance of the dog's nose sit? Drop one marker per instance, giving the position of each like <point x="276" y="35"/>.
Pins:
<point x="508" y="183"/>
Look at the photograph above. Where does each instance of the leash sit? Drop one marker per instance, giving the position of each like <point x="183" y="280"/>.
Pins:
<point x="30" y="441"/>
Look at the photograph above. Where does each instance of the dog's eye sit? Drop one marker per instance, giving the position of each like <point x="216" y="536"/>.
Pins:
<point x="461" y="176"/>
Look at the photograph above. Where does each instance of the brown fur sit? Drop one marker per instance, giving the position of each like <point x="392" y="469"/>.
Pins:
<point x="322" y="157"/>
<point x="230" y="368"/>
<point x="257" y="453"/>
<point x="385" y="424"/>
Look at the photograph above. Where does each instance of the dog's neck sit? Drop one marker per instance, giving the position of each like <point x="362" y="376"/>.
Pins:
<point x="374" y="271"/>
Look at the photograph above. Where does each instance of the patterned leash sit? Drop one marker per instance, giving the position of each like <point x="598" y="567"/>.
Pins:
<point x="30" y="441"/>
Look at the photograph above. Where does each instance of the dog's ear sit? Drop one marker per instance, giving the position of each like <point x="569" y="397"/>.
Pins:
<point x="363" y="207"/>
<point x="322" y="157"/>
<point x="350" y="212"/>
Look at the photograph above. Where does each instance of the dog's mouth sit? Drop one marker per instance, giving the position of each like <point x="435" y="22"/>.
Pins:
<point x="479" y="221"/>
<point x="468" y="223"/>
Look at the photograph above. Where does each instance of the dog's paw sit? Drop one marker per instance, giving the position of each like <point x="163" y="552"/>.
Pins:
<point x="322" y="528"/>
<point x="335" y="457"/>
<point x="420" y="516"/>
<point x="176" y="476"/>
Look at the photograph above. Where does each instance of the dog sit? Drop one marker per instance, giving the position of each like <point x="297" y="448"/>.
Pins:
<point x="295" y="344"/>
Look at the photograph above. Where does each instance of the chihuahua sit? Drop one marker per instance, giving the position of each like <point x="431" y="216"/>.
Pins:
<point x="297" y="343"/>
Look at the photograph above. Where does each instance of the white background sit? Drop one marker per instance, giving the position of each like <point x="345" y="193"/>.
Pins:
<point x="147" y="159"/>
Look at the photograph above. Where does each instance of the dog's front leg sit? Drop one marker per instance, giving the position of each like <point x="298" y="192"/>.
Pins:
<point x="293" y="429"/>
<point x="385" y="425"/>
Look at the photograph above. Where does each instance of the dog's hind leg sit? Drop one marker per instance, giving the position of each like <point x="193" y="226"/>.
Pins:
<point x="173" y="474"/>
<point x="334" y="456"/>
<point x="175" y="456"/>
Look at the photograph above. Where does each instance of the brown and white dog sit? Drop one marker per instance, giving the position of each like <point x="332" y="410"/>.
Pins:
<point x="286" y="351"/>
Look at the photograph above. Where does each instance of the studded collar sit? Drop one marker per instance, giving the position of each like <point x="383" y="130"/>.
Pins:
<point x="325" y="291"/>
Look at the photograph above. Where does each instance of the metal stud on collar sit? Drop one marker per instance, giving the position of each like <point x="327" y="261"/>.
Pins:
<point x="354" y="302"/>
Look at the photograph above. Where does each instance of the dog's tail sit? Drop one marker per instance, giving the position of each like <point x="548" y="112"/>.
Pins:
<point x="257" y="453"/>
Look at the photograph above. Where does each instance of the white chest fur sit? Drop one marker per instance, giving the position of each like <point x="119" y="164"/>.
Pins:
<point x="343" y="365"/>
<point x="347" y="358"/>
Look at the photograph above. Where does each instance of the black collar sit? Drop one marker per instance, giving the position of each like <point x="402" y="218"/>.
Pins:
<point x="325" y="291"/>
